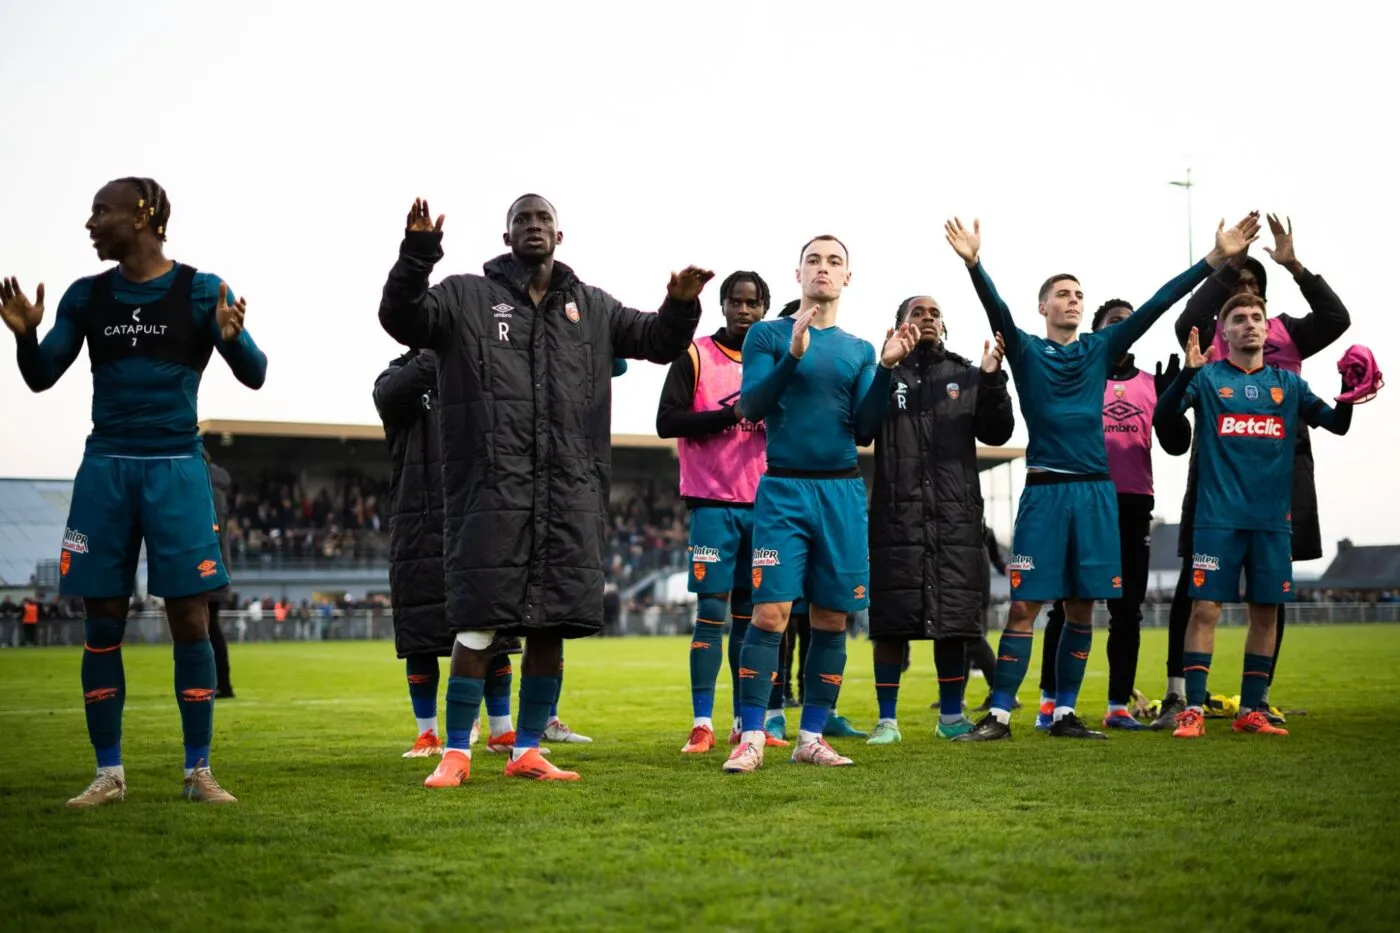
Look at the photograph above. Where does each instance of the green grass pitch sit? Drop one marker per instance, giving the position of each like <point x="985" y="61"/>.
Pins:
<point x="335" y="831"/>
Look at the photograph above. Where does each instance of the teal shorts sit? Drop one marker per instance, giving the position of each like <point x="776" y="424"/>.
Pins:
<point x="118" y="502"/>
<point x="721" y="540"/>
<point x="1065" y="545"/>
<point x="1220" y="555"/>
<point x="810" y="539"/>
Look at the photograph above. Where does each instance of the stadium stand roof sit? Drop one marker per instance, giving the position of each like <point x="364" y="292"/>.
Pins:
<point x="33" y="513"/>
<point x="986" y="456"/>
<point x="1373" y="567"/>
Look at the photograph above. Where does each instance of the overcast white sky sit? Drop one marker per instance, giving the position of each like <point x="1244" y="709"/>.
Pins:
<point x="292" y="137"/>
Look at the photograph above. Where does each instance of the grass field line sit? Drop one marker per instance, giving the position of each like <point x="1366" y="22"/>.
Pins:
<point x="374" y="702"/>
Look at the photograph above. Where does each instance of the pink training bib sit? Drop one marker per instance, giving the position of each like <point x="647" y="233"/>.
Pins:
<point x="728" y="465"/>
<point x="1127" y="432"/>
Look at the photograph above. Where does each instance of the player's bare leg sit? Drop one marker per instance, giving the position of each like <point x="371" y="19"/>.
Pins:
<point x="1071" y="658"/>
<point x="1013" y="659"/>
<point x="1258" y="661"/>
<point x="104" y="695"/>
<point x="195" y="686"/>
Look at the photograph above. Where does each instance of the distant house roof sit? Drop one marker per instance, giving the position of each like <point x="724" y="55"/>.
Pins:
<point x="33" y="513"/>
<point x="1371" y="567"/>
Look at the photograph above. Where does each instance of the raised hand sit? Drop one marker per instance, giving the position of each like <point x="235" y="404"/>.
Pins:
<point x="1282" y="253"/>
<point x="20" y="315"/>
<point x="230" y="317"/>
<point x="801" y="339"/>
<point x="898" y="345"/>
<point x="688" y="284"/>
<point x="1234" y="241"/>
<point x="420" y="219"/>
<point x="1195" y="359"/>
<point x="1164" y="377"/>
<point x="992" y="355"/>
<point x="966" y="243"/>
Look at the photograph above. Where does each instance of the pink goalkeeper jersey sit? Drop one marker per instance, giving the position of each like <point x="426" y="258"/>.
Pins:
<point x="1127" y="432"/>
<point x="724" y="466"/>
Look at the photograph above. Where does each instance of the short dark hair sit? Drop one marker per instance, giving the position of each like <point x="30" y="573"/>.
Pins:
<point x="825" y="236"/>
<point x="510" y="211"/>
<point x="151" y="198"/>
<point x="1243" y="300"/>
<point x="754" y="278"/>
<point x="1111" y="304"/>
<point x="790" y="308"/>
<point x="1045" y="289"/>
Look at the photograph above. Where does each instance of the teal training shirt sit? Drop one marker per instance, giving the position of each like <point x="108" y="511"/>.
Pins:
<point x="1246" y="430"/>
<point x="813" y="408"/>
<point x="1060" y="386"/>
<point x="142" y="406"/>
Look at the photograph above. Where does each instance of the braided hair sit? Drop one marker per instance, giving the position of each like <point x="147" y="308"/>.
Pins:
<point x="151" y="198"/>
<point x="903" y="311"/>
<point x="1109" y="305"/>
<point x="736" y="278"/>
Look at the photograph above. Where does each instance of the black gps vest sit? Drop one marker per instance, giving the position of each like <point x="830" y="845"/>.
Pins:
<point x="163" y="329"/>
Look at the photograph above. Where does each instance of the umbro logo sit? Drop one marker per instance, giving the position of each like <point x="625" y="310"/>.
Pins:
<point x="1120" y="410"/>
<point x="503" y="309"/>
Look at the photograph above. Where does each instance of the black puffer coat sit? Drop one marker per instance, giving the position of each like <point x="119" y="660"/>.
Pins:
<point x="928" y="556"/>
<point x="405" y="395"/>
<point x="526" y="413"/>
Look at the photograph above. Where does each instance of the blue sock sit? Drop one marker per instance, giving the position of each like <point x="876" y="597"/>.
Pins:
<point x="1257" y="668"/>
<point x="558" y="690"/>
<point x="826" y="664"/>
<point x="536" y="695"/>
<point x="195" y="686"/>
<point x="1195" y="667"/>
<point x="104" y="687"/>
<point x="423" y="680"/>
<point x="498" y="682"/>
<point x="706" y="655"/>
<point x="463" y="708"/>
<point x="1071" y="659"/>
<point x="949" y="660"/>
<point x="1013" y="660"/>
<point x="758" y="665"/>
<point x="887" y="688"/>
<point x="737" y="631"/>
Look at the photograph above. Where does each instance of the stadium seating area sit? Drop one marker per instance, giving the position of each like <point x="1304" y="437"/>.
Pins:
<point x="276" y="518"/>
<point x="273" y="516"/>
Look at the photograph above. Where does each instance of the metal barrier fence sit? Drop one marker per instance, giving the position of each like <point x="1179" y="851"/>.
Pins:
<point x="362" y="624"/>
